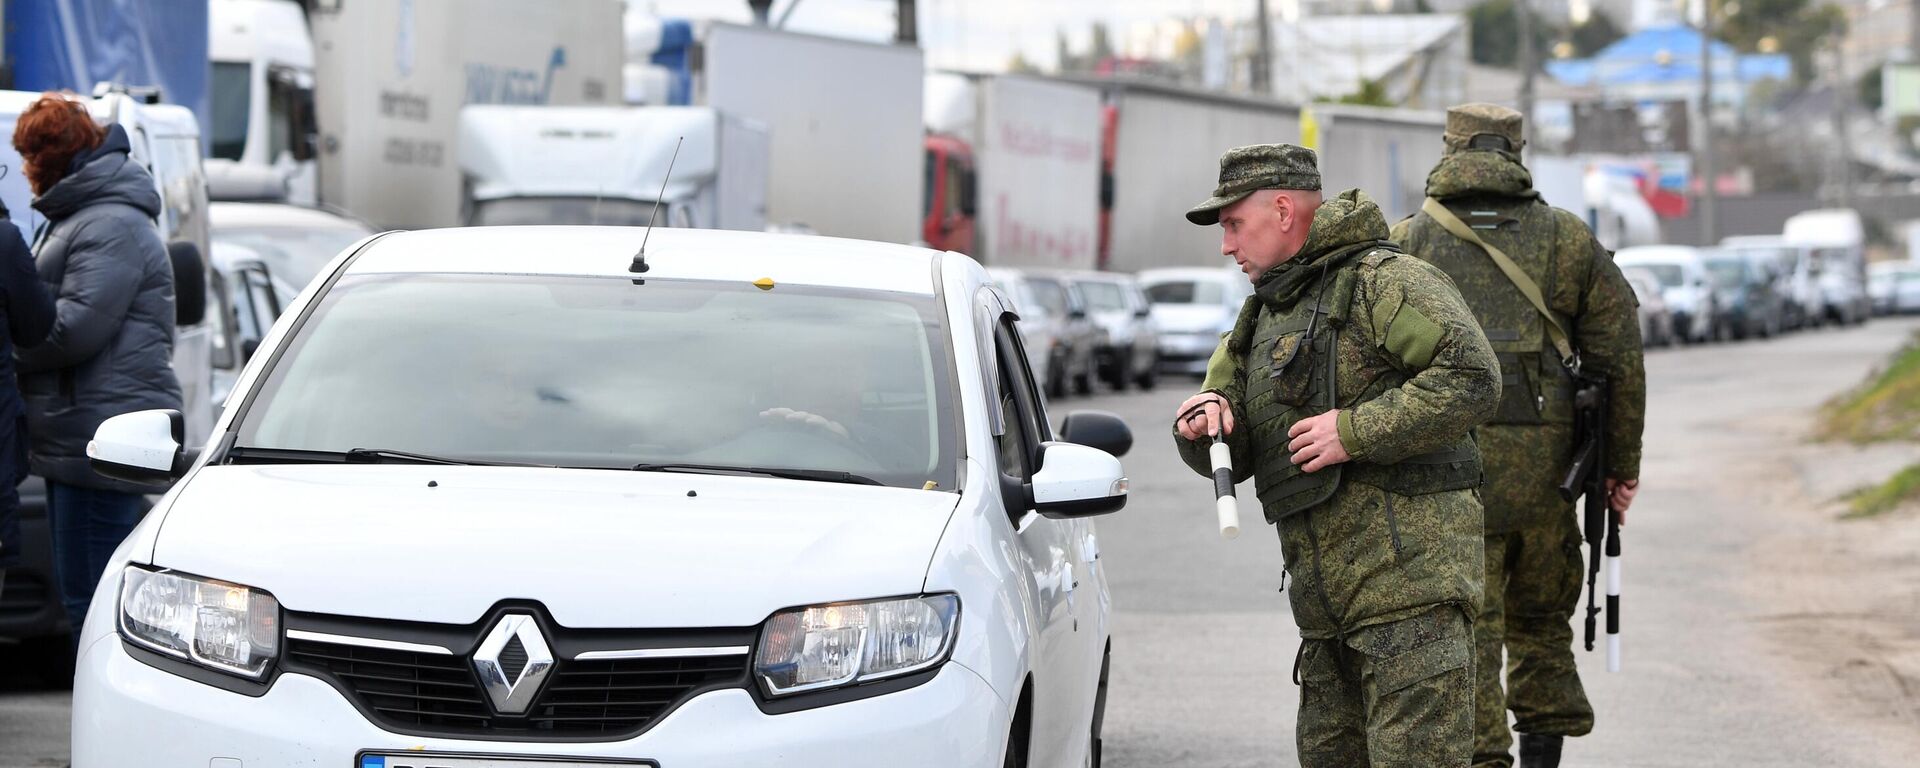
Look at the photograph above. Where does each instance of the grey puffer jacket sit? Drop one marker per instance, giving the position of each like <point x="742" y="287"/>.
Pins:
<point x="111" y="348"/>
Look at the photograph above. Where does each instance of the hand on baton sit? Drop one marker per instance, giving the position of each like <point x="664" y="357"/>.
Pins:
<point x="1204" y="415"/>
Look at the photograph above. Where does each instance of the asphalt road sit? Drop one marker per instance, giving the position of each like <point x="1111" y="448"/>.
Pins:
<point x="1737" y="654"/>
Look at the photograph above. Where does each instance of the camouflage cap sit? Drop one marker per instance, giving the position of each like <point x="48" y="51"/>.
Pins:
<point x="1245" y="170"/>
<point x="1469" y="120"/>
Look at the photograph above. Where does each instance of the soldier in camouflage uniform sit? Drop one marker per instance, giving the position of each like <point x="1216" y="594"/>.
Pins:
<point x="1532" y="539"/>
<point x="1354" y="375"/>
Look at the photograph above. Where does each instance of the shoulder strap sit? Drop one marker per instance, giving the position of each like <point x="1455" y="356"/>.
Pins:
<point x="1530" y="289"/>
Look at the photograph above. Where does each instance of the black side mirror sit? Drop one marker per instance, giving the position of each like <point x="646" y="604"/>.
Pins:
<point x="1143" y="313"/>
<point x="1077" y="314"/>
<point x="189" y="283"/>
<point x="1098" y="429"/>
<point x="247" y="348"/>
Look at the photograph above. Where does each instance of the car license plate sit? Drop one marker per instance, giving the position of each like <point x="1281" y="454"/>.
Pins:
<point x="446" y="760"/>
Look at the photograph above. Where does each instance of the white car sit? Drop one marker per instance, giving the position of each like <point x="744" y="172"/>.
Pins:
<point x="1685" y="285"/>
<point x="1130" y="352"/>
<point x="1895" y="287"/>
<point x="511" y="497"/>
<point x="1193" y="307"/>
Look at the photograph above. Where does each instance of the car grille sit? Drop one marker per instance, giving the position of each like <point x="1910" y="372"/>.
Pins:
<point x="439" y="694"/>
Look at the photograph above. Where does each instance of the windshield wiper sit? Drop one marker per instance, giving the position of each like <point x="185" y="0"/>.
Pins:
<point x="820" y="475"/>
<point x="362" y="456"/>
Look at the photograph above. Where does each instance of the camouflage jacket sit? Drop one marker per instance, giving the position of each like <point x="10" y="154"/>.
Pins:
<point x="1411" y="374"/>
<point x="1529" y="443"/>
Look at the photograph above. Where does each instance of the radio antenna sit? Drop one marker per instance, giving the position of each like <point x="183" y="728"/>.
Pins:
<point x="640" y="259"/>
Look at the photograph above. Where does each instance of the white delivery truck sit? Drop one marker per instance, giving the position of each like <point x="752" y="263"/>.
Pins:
<point x="1839" y="241"/>
<point x="608" y="165"/>
<point x="845" y="120"/>
<point x="1015" y="164"/>
<point x="262" y="129"/>
<point x="391" y="77"/>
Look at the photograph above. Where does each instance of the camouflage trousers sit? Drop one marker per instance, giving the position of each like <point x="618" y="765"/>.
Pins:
<point x="1533" y="584"/>
<point x="1394" y="695"/>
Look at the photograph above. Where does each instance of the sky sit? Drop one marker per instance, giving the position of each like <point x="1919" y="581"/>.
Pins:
<point x="979" y="34"/>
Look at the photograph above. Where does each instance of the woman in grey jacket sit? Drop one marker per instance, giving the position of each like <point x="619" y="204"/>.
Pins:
<point x="111" y="347"/>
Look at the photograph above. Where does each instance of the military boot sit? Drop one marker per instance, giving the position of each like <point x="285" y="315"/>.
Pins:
<point x="1539" y="751"/>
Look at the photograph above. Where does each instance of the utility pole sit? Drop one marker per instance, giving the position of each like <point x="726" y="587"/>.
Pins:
<point x="1523" y="16"/>
<point x="1842" y="104"/>
<point x="1261" y="73"/>
<point x="1709" y="193"/>
<point x="761" y="10"/>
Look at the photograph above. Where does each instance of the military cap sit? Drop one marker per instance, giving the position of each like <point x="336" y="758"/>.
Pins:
<point x="1469" y="120"/>
<point x="1245" y="170"/>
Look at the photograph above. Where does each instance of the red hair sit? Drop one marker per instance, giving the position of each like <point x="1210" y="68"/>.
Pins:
<point x="50" y="133"/>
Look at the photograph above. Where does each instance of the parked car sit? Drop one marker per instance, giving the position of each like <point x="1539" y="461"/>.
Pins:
<point x="1750" y="307"/>
<point x="458" y="509"/>
<point x="1894" y="287"/>
<point x="1841" y="290"/>
<point x="1132" y="345"/>
<point x="1684" y="283"/>
<point x="294" y="242"/>
<point x="1193" y="307"/>
<point x="1656" y="320"/>
<point x="1079" y="337"/>
<point x="1039" y="328"/>
<point x="1796" y="273"/>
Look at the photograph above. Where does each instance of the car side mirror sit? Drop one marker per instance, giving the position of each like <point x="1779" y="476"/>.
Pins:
<point x="1098" y="429"/>
<point x="1077" y="314"/>
<point x="145" y="447"/>
<point x="189" y="283"/>
<point x="247" y="348"/>
<point x="1143" y="313"/>
<point x="1077" y="481"/>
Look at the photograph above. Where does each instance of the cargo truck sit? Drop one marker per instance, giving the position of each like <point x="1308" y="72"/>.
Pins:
<point x="390" y="79"/>
<point x="1014" y="170"/>
<point x="262" y="128"/>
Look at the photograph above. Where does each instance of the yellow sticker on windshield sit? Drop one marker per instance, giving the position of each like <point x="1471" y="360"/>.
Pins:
<point x="765" y="283"/>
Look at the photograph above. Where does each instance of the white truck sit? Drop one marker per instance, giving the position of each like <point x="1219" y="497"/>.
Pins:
<point x="845" y="122"/>
<point x="1014" y="166"/>
<point x="391" y="77"/>
<point x="1166" y="146"/>
<point x="262" y="129"/>
<point x="608" y="165"/>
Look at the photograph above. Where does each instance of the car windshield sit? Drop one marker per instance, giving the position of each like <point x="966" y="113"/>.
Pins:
<point x="519" y="211"/>
<point x="295" y="255"/>
<point x="1187" y="292"/>
<point x="1669" y="275"/>
<point x="591" y="372"/>
<point x="1051" y="296"/>
<point x="1727" y="273"/>
<point x="1104" y="296"/>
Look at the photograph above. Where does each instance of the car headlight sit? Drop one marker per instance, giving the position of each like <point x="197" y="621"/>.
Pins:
<point x="826" y="646"/>
<point x="222" y="626"/>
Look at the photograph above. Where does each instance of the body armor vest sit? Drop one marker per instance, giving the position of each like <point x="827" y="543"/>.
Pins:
<point x="1292" y="370"/>
<point x="1534" y="387"/>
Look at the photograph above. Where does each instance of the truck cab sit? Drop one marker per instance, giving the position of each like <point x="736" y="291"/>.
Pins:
<point x="262" y="123"/>
<point x="950" y="202"/>
<point x="610" y="165"/>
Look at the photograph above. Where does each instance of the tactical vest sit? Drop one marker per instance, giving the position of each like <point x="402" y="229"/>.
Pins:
<point x="1292" y="373"/>
<point x="1535" y="388"/>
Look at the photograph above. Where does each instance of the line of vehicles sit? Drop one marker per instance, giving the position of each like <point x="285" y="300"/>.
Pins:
<point x="1811" y="275"/>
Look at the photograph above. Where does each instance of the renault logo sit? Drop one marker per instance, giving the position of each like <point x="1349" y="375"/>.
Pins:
<point x="512" y="662"/>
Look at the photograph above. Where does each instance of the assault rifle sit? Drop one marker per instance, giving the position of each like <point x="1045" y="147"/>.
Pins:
<point x="1587" y="479"/>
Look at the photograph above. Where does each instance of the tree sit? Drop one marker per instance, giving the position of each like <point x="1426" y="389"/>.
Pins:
<point x="1495" y="27"/>
<point x="1797" y="27"/>
<point x="1372" y="93"/>
<point x="1020" y="66"/>
<point x="1596" y="33"/>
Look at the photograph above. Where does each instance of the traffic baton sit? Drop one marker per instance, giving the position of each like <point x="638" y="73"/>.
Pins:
<point x="1228" y="506"/>
<point x="1613" y="591"/>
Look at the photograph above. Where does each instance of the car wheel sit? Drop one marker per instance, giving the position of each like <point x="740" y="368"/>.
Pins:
<point x="1083" y="384"/>
<point x="1147" y="378"/>
<point x="1119" y="374"/>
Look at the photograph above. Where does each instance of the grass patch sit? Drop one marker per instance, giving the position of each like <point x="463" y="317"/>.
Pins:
<point x="1884" y="407"/>
<point x="1869" y="502"/>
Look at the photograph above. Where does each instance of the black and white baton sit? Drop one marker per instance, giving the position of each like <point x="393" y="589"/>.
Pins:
<point x="1613" y="590"/>
<point x="1229" y="507"/>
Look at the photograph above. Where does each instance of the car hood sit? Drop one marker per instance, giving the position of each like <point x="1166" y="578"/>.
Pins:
<point x="1192" y="318"/>
<point x="597" y="548"/>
